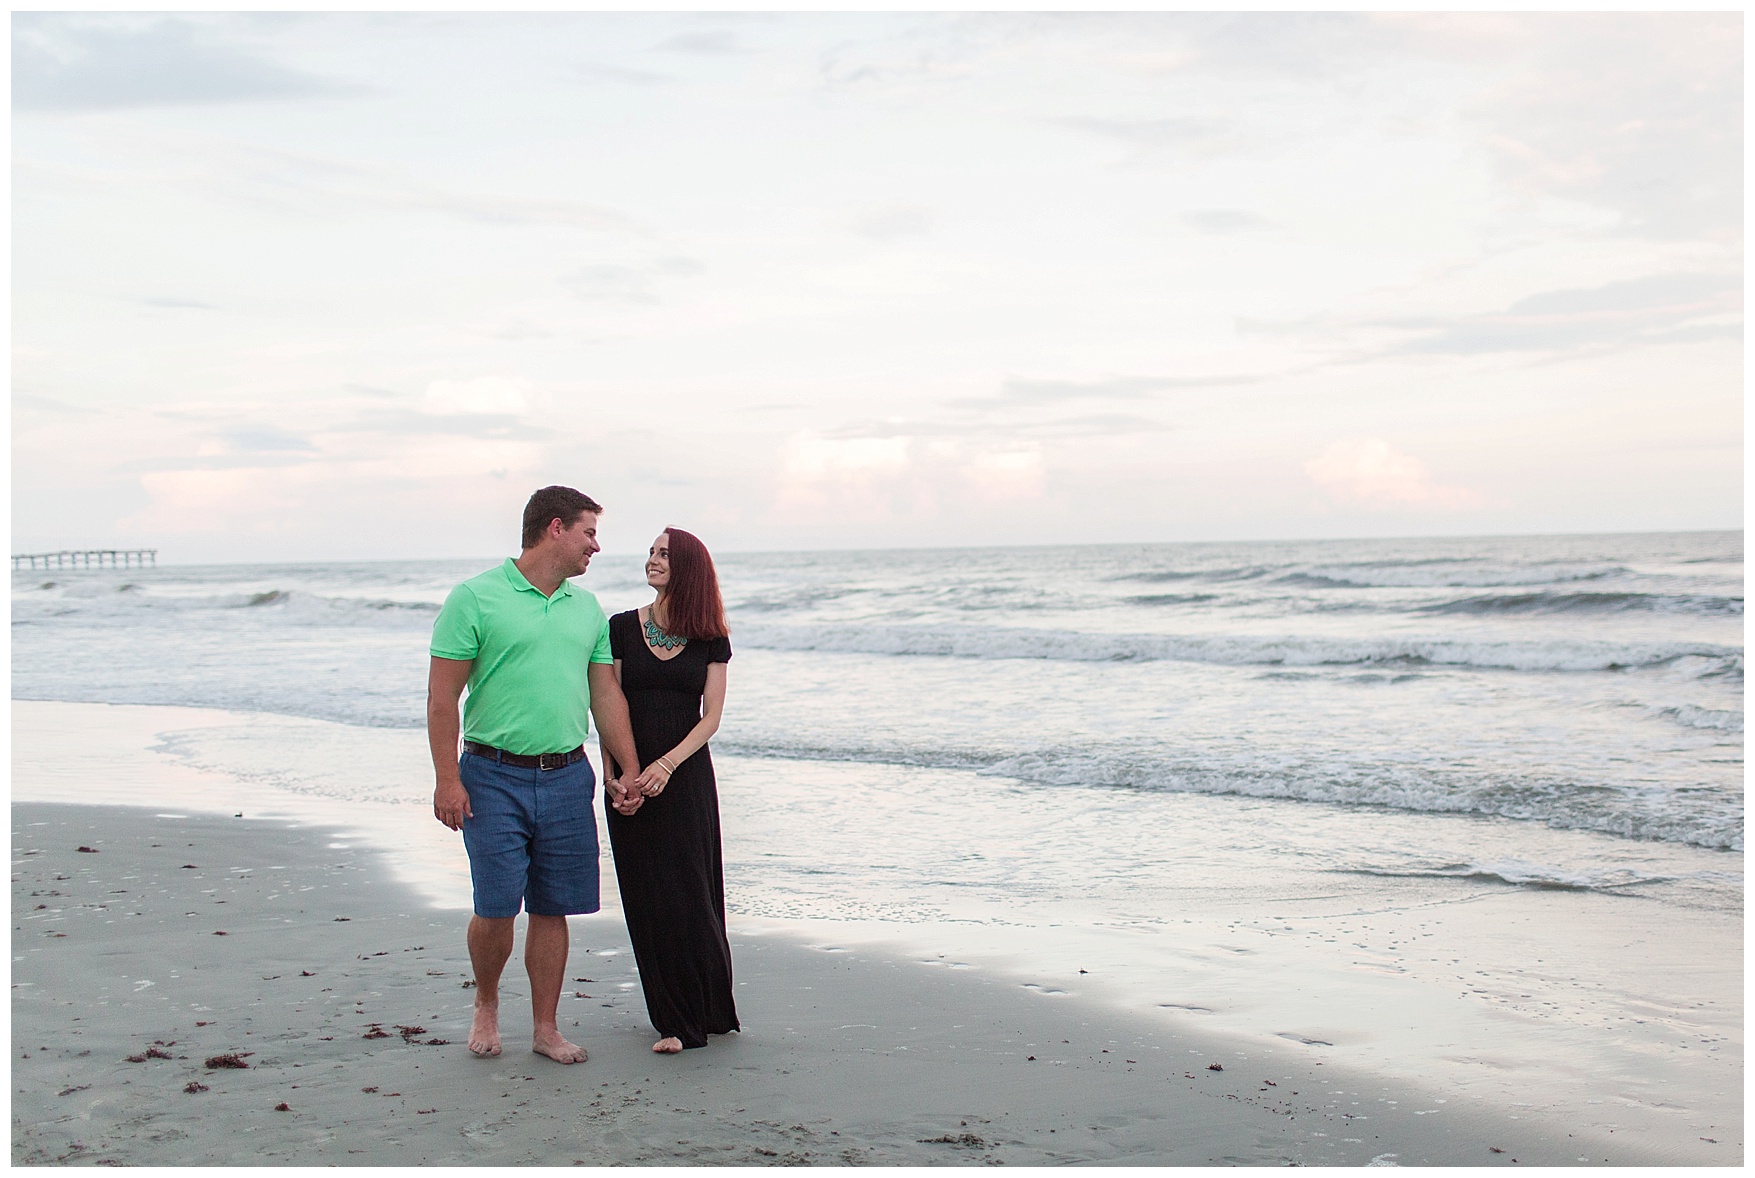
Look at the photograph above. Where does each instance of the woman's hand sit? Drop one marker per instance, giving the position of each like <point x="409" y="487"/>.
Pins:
<point x="654" y="777"/>
<point x="624" y="799"/>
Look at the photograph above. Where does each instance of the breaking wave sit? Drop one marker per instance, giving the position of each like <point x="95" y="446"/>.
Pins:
<point x="1522" y="873"/>
<point x="288" y="604"/>
<point x="1439" y="573"/>
<point x="1716" y="719"/>
<point x="1589" y="603"/>
<point x="1238" y="650"/>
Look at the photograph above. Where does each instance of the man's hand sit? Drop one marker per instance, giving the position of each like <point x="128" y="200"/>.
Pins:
<point x="451" y="803"/>
<point x="446" y="679"/>
<point x="624" y="799"/>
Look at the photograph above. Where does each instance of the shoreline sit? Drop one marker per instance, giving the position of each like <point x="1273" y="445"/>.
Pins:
<point x="849" y="1057"/>
<point x="1589" y="1011"/>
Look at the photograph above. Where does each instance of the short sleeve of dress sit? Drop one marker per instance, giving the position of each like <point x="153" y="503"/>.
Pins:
<point x="719" y="650"/>
<point x="618" y="640"/>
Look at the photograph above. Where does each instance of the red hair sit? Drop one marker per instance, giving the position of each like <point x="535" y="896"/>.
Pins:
<point x="692" y="605"/>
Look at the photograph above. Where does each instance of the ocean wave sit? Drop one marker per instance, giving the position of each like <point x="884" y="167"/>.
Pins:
<point x="318" y="604"/>
<point x="1434" y="573"/>
<point x="1171" y="598"/>
<point x="1717" y="719"/>
<point x="1521" y="873"/>
<point x="1563" y="603"/>
<point x="1166" y="576"/>
<point x="288" y="604"/>
<point x="1236" y="649"/>
<point x="1703" y="667"/>
<point x="1698" y="819"/>
<point x="1437" y="575"/>
<point x="797" y="600"/>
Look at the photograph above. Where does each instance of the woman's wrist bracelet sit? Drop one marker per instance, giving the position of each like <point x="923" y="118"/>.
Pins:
<point x="669" y="769"/>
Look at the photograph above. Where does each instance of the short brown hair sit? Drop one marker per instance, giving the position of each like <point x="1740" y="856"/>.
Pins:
<point x="552" y="503"/>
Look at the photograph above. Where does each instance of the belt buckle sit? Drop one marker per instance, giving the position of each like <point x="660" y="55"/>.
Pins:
<point x="543" y="761"/>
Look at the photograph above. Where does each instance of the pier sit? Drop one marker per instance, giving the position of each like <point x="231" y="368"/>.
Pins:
<point x="87" y="558"/>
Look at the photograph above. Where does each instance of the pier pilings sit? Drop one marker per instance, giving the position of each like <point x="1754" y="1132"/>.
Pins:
<point x="88" y="558"/>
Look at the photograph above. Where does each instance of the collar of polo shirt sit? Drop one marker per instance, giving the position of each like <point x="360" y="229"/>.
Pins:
<point x="520" y="581"/>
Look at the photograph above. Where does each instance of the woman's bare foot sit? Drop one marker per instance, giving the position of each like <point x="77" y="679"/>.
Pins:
<point x="484" y="1031"/>
<point x="668" y="1046"/>
<point x="551" y="1044"/>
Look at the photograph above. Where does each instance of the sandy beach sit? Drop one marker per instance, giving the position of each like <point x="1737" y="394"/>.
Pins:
<point x="892" y="984"/>
<point x="342" y="991"/>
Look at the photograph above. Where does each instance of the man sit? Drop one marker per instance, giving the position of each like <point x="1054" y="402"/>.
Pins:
<point x="533" y="649"/>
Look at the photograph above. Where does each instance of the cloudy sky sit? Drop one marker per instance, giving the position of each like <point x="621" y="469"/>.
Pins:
<point x="343" y="286"/>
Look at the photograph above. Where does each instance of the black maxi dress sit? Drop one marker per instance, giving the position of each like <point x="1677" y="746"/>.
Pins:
<point x="667" y="859"/>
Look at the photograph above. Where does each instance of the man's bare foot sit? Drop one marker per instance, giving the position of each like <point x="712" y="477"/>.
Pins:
<point x="551" y="1044"/>
<point x="484" y="1032"/>
<point x="668" y="1046"/>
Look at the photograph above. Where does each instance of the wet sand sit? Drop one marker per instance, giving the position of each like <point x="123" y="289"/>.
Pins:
<point x="343" y="991"/>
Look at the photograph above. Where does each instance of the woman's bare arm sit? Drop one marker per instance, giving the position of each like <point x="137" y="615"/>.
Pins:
<point x="654" y="777"/>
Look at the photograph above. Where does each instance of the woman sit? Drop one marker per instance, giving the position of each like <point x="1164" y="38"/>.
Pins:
<point x="670" y="659"/>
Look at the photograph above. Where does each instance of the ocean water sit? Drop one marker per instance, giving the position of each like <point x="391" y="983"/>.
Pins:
<point x="1467" y="811"/>
<point x="1592" y="683"/>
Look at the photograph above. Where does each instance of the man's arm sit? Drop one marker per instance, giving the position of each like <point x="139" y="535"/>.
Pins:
<point x="609" y="707"/>
<point x="446" y="679"/>
<point x="613" y="779"/>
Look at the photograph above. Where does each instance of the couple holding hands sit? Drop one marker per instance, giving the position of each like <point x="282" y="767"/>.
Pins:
<point x="539" y="657"/>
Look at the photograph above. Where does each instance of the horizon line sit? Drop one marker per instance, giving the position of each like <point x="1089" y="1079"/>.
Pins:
<point x="988" y="547"/>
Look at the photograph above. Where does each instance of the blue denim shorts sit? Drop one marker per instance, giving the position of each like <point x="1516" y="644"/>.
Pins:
<point x="531" y="838"/>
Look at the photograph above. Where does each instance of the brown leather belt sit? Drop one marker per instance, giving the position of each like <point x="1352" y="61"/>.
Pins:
<point x="544" y="761"/>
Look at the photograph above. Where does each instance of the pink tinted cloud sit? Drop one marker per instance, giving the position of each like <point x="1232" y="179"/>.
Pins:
<point x="1370" y="472"/>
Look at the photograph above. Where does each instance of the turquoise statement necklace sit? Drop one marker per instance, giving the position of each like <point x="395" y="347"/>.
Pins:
<point x="657" y="637"/>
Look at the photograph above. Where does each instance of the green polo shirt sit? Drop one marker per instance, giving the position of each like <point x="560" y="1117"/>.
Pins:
<point x="528" y="691"/>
